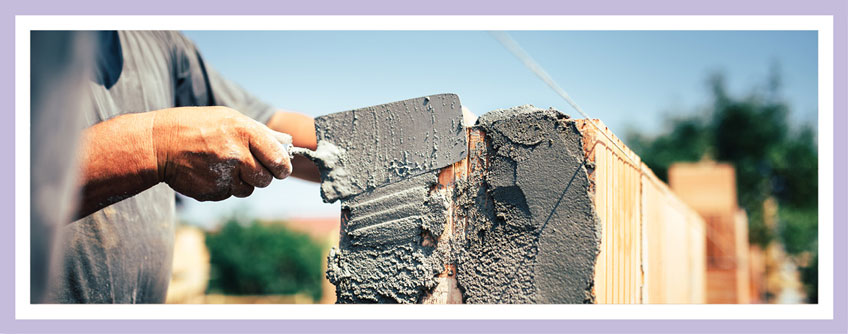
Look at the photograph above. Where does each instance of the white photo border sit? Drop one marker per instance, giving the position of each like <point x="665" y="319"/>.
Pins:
<point x="26" y="23"/>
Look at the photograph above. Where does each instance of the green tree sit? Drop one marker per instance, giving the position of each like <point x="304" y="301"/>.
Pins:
<point x="259" y="259"/>
<point x="772" y="158"/>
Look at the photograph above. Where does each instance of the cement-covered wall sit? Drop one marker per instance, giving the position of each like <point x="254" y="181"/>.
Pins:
<point x="529" y="233"/>
<point x="532" y="235"/>
<point x="386" y="252"/>
<point x="544" y="209"/>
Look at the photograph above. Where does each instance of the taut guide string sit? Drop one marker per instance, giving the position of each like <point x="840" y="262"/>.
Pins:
<point x="512" y="46"/>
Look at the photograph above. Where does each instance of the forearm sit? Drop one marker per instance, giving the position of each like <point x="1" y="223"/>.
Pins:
<point x="302" y="129"/>
<point x="118" y="160"/>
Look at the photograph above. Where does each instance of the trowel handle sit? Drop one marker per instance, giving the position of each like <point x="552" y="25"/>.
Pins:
<point x="286" y="140"/>
<point x="305" y="152"/>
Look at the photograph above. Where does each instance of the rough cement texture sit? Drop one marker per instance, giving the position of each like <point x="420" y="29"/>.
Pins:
<point x="336" y="182"/>
<point x="387" y="251"/>
<point x="366" y="148"/>
<point x="532" y="235"/>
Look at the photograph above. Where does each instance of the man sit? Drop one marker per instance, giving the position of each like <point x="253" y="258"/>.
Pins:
<point x="60" y="62"/>
<point x="161" y="121"/>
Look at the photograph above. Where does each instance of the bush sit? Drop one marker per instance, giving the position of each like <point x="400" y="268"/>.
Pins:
<point x="262" y="259"/>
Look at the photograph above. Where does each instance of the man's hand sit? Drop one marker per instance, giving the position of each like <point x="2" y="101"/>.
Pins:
<point x="210" y="153"/>
<point x="207" y="153"/>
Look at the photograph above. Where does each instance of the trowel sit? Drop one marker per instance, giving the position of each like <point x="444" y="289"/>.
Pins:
<point x="367" y="148"/>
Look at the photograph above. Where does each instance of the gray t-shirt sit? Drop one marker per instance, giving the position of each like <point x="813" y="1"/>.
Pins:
<point x="123" y="253"/>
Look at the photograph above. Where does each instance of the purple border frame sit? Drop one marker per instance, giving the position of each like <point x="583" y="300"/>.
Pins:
<point x="837" y="8"/>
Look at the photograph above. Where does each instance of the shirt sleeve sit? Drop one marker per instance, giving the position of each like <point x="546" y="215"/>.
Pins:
<point x="197" y="84"/>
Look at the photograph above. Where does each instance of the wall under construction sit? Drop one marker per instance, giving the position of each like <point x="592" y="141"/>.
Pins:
<point x="544" y="209"/>
<point x="653" y="246"/>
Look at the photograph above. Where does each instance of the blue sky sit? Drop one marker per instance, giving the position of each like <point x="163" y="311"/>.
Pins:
<point x="629" y="79"/>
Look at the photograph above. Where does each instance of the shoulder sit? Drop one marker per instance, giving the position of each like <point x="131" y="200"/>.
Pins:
<point x="172" y="42"/>
<point x="179" y="41"/>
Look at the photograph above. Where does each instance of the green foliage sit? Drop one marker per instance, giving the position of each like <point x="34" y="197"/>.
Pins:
<point x="798" y="229"/>
<point x="688" y="140"/>
<point x="810" y="277"/>
<point x="772" y="158"/>
<point x="258" y="259"/>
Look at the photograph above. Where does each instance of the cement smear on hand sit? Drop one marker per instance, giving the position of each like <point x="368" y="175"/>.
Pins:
<point x="532" y="234"/>
<point x="382" y="257"/>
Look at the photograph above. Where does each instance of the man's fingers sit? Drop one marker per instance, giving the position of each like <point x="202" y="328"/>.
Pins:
<point x="270" y="152"/>
<point x="240" y="188"/>
<point x="254" y="173"/>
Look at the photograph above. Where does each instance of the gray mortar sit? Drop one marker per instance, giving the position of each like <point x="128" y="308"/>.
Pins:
<point x="532" y="234"/>
<point x="336" y="181"/>
<point x="383" y="162"/>
<point x="381" y="256"/>
<point x="370" y="147"/>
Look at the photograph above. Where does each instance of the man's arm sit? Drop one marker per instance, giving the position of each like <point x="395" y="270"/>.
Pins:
<point x="302" y="129"/>
<point x="117" y="161"/>
<point x="207" y="153"/>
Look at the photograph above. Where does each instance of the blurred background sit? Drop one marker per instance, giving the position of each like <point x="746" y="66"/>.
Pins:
<point x="745" y="99"/>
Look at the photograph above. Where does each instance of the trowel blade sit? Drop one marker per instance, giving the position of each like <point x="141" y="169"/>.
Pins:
<point x="384" y="144"/>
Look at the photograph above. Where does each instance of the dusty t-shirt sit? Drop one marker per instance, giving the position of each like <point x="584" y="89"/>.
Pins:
<point x="123" y="253"/>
